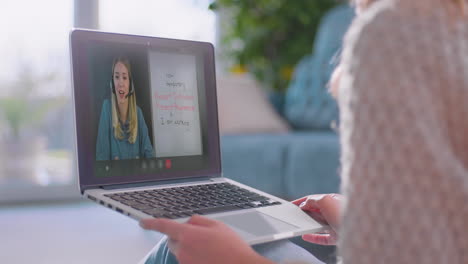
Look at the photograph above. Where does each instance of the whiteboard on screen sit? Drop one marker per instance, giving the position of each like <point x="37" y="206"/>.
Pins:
<point x="176" y="125"/>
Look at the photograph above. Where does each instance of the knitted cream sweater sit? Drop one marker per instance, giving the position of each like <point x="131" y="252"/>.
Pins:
<point x="404" y="130"/>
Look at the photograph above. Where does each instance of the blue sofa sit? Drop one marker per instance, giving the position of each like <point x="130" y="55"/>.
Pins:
<point x="306" y="160"/>
<point x="288" y="166"/>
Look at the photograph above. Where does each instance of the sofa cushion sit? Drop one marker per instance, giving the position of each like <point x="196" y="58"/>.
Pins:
<point x="308" y="104"/>
<point x="288" y="165"/>
<point x="312" y="164"/>
<point x="255" y="160"/>
<point x="244" y="107"/>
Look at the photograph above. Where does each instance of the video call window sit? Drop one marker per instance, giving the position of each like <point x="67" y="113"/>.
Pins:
<point x="147" y="105"/>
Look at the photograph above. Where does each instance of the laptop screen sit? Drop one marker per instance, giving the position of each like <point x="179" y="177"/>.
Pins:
<point x="145" y="108"/>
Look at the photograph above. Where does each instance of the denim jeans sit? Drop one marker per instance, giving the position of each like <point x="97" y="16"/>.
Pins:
<point x="278" y="251"/>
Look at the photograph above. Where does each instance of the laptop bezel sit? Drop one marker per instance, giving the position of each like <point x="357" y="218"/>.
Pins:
<point x="84" y="153"/>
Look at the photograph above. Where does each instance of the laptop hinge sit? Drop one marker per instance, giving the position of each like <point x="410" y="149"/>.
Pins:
<point x="153" y="183"/>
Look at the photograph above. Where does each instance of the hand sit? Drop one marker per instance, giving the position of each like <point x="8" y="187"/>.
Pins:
<point x="203" y="240"/>
<point x="324" y="209"/>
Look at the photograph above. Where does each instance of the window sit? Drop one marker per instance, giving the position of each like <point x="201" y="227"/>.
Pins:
<point x="183" y="19"/>
<point x="36" y="123"/>
<point x="35" y="110"/>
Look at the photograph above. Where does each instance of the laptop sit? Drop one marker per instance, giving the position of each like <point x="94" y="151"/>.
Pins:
<point x="147" y="137"/>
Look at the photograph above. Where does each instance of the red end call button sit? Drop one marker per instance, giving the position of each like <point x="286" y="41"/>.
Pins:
<point x="168" y="164"/>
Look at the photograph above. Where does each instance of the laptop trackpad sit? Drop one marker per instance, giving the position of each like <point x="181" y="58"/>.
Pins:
<point x="256" y="223"/>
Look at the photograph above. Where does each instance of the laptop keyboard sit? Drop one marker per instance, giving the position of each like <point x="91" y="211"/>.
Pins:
<point x="178" y="202"/>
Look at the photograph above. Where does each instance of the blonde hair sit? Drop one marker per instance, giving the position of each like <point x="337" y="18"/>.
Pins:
<point x="132" y="107"/>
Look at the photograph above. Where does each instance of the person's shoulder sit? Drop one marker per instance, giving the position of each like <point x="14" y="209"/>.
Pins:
<point x="140" y="114"/>
<point x="387" y="19"/>
<point x="379" y="17"/>
<point x="139" y="111"/>
<point x="387" y="27"/>
<point x="106" y="103"/>
<point x="106" y="106"/>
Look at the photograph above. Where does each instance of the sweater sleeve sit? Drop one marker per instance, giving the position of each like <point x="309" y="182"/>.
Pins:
<point x="404" y="161"/>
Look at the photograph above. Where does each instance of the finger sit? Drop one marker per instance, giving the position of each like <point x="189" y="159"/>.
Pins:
<point x="201" y="221"/>
<point x="166" y="226"/>
<point x="330" y="209"/>
<point x="314" y="197"/>
<point x="317" y="217"/>
<point x="299" y="201"/>
<point x="321" y="239"/>
<point x="310" y="205"/>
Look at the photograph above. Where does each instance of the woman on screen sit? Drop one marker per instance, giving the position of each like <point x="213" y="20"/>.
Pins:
<point x="122" y="132"/>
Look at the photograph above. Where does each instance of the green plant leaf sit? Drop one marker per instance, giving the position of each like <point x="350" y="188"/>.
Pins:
<point x="275" y="34"/>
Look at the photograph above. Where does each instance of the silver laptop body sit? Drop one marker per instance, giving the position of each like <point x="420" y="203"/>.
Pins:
<point x="174" y="164"/>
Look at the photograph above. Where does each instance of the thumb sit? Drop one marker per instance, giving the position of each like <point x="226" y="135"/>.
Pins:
<point x="324" y="238"/>
<point x="330" y="208"/>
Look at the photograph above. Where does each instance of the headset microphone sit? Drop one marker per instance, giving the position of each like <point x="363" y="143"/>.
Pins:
<point x="131" y="91"/>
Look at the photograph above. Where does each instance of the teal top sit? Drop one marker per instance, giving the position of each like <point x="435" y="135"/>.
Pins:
<point x="110" y="148"/>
